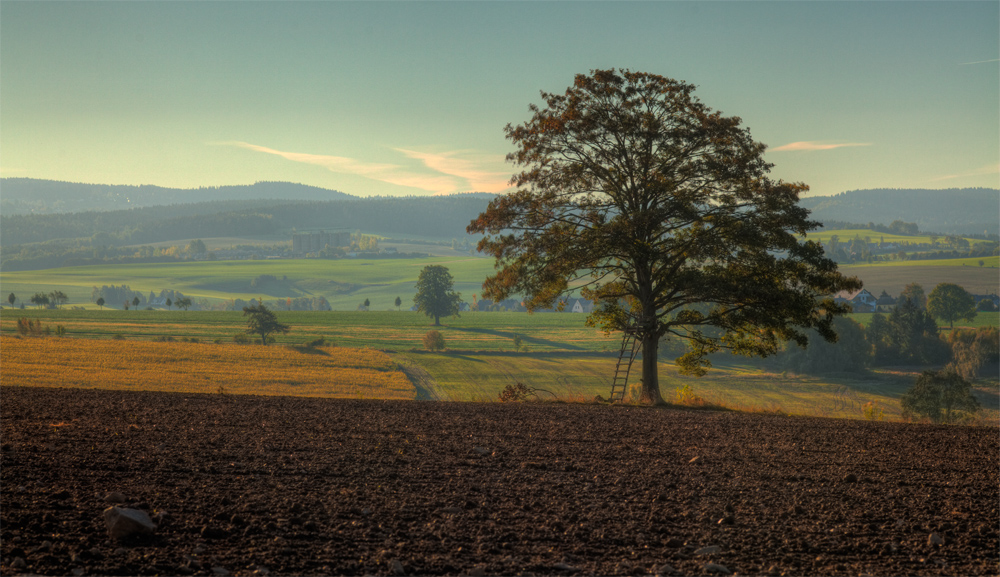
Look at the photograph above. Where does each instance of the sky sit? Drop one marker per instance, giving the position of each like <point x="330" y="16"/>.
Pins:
<point x="411" y="98"/>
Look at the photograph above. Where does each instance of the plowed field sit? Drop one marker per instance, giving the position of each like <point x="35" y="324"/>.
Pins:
<point x="249" y="485"/>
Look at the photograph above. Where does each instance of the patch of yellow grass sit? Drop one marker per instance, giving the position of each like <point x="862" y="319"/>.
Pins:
<point x="201" y="368"/>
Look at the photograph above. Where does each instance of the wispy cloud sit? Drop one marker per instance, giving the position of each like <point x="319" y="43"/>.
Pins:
<point x="810" y="145"/>
<point x="979" y="62"/>
<point x="390" y="173"/>
<point x="989" y="169"/>
<point x="466" y="165"/>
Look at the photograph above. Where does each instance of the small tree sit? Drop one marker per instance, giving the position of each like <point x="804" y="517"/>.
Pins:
<point x="197" y="247"/>
<point x="950" y="302"/>
<point x="435" y="296"/>
<point x="434" y="341"/>
<point x="263" y="322"/>
<point x="985" y="305"/>
<point x="100" y="302"/>
<point x="11" y="298"/>
<point x="169" y="303"/>
<point x="914" y="292"/>
<point x="973" y="348"/>
<point x="937" y="395"/>
<point x="399" y="303"/>
<point x="367" y="304"/>
<point x="58" y="297"/>
<point x="183" y="303"/>
<point x="135" y="302"/>
<point x="40" y="299"/>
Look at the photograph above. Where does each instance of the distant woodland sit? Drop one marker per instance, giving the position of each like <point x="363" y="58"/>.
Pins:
<point x="963" y="211"/>
<point x="47" y="224"/>
<point x="435" y="216"/>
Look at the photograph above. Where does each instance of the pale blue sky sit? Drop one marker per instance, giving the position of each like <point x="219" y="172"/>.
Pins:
<point x="411" y="98"/>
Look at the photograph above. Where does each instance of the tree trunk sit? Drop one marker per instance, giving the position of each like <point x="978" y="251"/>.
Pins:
<point x="437" y="321"/>
<point x="650" y="373"/>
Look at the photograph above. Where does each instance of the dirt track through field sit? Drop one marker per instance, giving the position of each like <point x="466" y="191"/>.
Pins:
<point x="319" y="486"/>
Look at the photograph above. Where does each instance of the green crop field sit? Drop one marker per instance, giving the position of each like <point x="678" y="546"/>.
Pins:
<point x="347" y="283"/>
<point x="344" y="283"/>
<point x="847" y="235"/>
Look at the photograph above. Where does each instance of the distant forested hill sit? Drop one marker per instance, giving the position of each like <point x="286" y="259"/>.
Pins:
<point x="424" y="216"/>
<point x="29" y="195"/>
<point x="953" y="210"/>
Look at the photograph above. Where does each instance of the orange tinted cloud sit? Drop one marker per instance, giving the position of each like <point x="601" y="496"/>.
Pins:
<point x="810" y="145"/>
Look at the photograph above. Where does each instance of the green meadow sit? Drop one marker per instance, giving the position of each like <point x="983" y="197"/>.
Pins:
<point x="390" y="330"/>
<point x="560" y="356"/>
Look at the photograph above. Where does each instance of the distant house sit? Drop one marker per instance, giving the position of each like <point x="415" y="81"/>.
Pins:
<point x="157" y="302"/>
<point x="885" y="303"/>
<point x="484" y="304"/>
<point x="579" y="306"/>
<point x="463" y="307"/>
<point x="861" y="301"/>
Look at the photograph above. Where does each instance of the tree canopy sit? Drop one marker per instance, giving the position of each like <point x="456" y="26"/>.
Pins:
<point x="663" y="209"/>
<point x="435" y="296"/>
<point x="950" y="302"/>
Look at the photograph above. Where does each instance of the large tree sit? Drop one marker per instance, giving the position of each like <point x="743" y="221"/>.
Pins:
<point x="435" y="296"/>
<point x="950" y="302"/>
<point x="664" y="211"/>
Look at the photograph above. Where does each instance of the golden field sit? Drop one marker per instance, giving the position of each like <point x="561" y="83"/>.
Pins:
<point x="331" y="372"/>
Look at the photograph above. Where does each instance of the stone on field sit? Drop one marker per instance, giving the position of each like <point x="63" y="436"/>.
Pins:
<point x="711" y="549"/>
<point x="935" y="539"/>
<point x="114" y="497"/>
<point x="666" y="569"/>
<point x="717" y="569"/>
<point x="221" y="572"/>
<point x="123" y="523"/>
<point x="850" y="478"/>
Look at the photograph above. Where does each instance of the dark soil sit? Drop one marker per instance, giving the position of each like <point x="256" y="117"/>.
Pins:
<point x="267" y="485"/>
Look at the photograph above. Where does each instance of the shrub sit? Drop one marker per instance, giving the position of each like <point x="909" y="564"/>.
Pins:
<point x="27" y="327"/>
<point x="118" y="337"/>
<point x="873" y="412"/>
<point x="939" y="396"/>
<point x="241" y="339"/>
<point x="434" y="341"/>
<point x="516" y="393"/>
<point x="685" y="396"/>
<point x="60" y="331"/>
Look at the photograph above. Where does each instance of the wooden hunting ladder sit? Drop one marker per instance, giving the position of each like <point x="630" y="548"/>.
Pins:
<point x="631" y="344"/>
